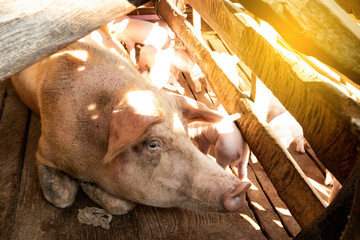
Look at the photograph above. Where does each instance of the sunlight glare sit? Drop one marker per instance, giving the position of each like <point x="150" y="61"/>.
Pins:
<point x="177" y="124"/>
<point x="79" y="54"/>
<point x="258" y="206"/>
<point x="278" y="223"/>
<point x="283" y="211"/>
<point x="251" y="221"/>
<point x="143" y="102"/>
<point x="82" y="68"/>
<point x="324" y="68"/>
<point x="91" y="107"/>
<point x="318" y="187"/>
<point x="253" y="187"/>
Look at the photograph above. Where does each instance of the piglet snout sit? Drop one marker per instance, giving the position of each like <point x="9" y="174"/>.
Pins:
<point x="235" y="199"/>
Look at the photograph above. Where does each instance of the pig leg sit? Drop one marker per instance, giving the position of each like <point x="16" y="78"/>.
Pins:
<point x="109" y="202"/>
<point x="58" y="187"/>
<point x="242" y="165"/>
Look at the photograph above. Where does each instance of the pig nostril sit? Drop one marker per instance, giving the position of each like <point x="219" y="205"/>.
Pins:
<point x="235" y="199"/>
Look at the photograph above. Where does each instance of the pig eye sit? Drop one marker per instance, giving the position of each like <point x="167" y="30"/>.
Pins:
<point x="153" y="144"/>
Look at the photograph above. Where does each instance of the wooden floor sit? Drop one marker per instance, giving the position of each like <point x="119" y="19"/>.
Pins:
<point x="25" y="214"/>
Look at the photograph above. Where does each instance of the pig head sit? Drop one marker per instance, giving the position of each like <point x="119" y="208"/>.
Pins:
<point x="125" y="141"/>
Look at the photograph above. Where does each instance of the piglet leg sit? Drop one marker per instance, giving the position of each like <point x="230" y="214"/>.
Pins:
<point x="58" y="187"/>
<point x="109" y="202"/>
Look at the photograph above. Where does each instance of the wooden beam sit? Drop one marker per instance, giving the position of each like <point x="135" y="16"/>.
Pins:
<point x="283" y="171"/>
<point x="331" y="224"/>
<point x="32" y="30"/>
<point x="13" y="132"/>
<point x="322" y="110"/>
<point x="317" y="28"/>
<point x="350" y="6"/>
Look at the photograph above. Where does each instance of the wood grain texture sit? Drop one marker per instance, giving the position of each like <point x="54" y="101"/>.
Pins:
<point x="13" y="130"/>
<point x="331" y="224"/>
<point x="289" y="223"/>
<point x="268" y="219"/>
<point x="317" y="28"/>
<point x="286" y="176"/>
<point x="32" y="30"/>
<point x="322" y="110"/>
<point x="350" y="6"/>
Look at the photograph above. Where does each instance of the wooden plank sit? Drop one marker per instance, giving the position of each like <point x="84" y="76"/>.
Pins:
<point x="317" y="28"/>
<point x="268" y="220"/>
<point x="179" y="224"/>
<point x="284" y="172"/>
<point x="243" y="71"/>
<point x="32" y="30"/>
<point x="324" y="112"/>
<point x="13" y="130"/>
<point x="350" y="6"/>
<point x="331" y="224"/>
<point x="289" y="223"/>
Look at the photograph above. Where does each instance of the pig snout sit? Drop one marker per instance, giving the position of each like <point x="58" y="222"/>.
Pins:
<point x="234" y="200"/>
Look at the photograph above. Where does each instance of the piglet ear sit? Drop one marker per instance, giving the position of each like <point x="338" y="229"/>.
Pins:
<point x="127" y="127"/>
<point x="196" y="111"/>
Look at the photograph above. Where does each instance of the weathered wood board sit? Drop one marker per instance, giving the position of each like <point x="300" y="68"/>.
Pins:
<point x="317" y="28"/>
<point x="322" y="110"/>
<point x="32" y="30"/>
<point x="13" y="131"/>
<point x="350" y="6"/>
<point x="284" y="172"/>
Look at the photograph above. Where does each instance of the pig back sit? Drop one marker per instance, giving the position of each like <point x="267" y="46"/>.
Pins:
<point x="79" y="87"/>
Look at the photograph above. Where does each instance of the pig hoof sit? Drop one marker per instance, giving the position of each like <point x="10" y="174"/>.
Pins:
<point x="109" y="202"/>
<point x="58" y="187"/>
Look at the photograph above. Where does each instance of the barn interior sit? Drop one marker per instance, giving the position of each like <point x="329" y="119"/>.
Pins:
<point x="305" y="56"/>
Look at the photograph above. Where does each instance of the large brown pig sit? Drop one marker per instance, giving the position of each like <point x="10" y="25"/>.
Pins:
<point x="125" y="141"/>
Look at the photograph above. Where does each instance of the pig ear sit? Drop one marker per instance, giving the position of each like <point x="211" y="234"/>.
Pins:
<point x="127" y="127"/>
<point x="196" y="111"/>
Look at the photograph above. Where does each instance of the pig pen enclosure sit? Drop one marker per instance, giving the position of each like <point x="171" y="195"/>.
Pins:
<point x="288" y="198"/>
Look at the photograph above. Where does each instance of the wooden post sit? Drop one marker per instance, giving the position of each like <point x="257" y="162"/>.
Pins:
<point x="32" y="30"/>
<point x="317" y="28"/>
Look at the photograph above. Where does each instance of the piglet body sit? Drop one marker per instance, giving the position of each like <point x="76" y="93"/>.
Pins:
<point x="164" y="66"/>
<point x="230" y="146"/>
<point x="132" y="31"/>
<point x="288" y="130"/>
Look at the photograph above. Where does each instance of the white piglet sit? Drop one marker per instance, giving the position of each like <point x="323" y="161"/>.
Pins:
<point x="164" y="66"/>
<point x="230" y="146"/>
<point x="132" y="31"/>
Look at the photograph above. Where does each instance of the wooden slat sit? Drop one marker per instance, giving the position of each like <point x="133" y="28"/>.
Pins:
<point x="32" y="30"/>
<point x="13" y="130"/>
<point x="243" y="71"/>
<point x="287" y="220"/>
<point x="331" y="224"/>
<point x="322" y="110"/>
<point x="350" y="6"/>
<point x="269" y="221"/>
<point x="281" y="167"/>
<point x="318" y="28"/>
